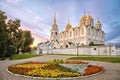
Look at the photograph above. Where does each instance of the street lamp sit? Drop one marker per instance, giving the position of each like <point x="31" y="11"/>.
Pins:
<point x="51" y="46"/>
<point x="77" y="47"/>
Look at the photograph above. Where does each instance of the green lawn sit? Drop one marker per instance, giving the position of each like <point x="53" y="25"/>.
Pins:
<point x="81" y="55"/>
<point x="106" y="59"/>
<point x="24" y="56"/>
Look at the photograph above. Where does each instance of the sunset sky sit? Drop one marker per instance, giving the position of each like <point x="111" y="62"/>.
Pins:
<point x="37" y="15"/>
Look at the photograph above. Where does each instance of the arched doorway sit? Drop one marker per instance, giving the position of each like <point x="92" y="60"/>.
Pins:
<point x="66" y="46"/>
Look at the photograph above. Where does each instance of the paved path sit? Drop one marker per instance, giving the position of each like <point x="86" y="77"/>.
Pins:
<point x="112" y="70"/>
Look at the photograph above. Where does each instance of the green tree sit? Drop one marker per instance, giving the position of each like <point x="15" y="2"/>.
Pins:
<point x="91" y="44"/>
<point x="3" y="36"/>
<point x="26" y="41"/>
<point x="14" y="34"/>
<point x="12" y="38"/>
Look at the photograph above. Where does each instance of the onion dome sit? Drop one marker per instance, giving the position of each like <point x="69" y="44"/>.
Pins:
<point x="83" y="18"/>
<point x="68" y="26"/>
<point x="89" y="17"/>
<point x="98" y="23"/>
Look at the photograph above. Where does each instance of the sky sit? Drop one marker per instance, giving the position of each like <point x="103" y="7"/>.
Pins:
<point x="37" y="15"/>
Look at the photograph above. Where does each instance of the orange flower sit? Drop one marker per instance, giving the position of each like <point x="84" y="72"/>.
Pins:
<point x="92" y="70"/>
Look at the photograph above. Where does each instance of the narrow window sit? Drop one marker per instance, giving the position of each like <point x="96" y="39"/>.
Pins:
<point x="82" y="31"/>
<point x="55" y="33"/>
<point x="89" y="31"/>
<point x="70" y="33"/>
<point x="76" y="32"/>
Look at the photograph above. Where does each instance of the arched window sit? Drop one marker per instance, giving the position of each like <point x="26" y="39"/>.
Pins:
<point x="89" y="31"/>
<point x="84" y="23"/>
<point x="89" y="22"/>
<point x="82" y="31"/>
<point x="70" y="33"/>
<point x="55" y="33"/>
<point x="76" y="32"/>
<point x="65" y="35"/>
<point x="102" y="35"/>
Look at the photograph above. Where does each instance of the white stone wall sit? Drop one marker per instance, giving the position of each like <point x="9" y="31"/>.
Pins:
<point x="93" y="50"/>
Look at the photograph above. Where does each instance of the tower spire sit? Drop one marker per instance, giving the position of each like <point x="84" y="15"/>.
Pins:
<point x="54" y="17"/>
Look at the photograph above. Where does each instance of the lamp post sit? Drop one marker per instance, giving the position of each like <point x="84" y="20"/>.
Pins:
<point x="52" y="48"/>
<point x="77" y="47"/>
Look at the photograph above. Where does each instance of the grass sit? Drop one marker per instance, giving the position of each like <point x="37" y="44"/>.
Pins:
<point x="81" y="55"/>
<point x="23" y="56"/>
<point x="105" y="59"/>
<point x="71" y="55"/>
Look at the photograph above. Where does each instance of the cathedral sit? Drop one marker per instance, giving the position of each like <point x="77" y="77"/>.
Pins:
<point x="81" y="35"/>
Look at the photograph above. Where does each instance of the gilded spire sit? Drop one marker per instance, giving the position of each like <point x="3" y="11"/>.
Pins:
<point x="89" y="17"/>
<point x="54" y="23"/>
<point x="98" y="22"/>
<point x="54" y="17"/>
<point x="84" y="17"/>
<point x="68" y="25"/>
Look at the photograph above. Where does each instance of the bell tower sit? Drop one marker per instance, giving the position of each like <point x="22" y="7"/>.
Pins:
<point x="54" y="31"/>
<point x="98" y="24"/>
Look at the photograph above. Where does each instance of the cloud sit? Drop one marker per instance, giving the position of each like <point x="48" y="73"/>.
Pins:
<point x="29" y="19"/>
<point x="13" y="1"/>
<point x="114" y="34"/>
<point x="37" y="16"/>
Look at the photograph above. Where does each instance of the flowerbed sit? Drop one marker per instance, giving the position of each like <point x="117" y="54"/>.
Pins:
<point x="55" y="69"/>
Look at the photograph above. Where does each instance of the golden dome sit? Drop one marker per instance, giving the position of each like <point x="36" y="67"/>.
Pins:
<point x="98" y="23"/>
<point x="89" y="18"/>
<point x="83" y="18"/>
<point x="68" y="26"/>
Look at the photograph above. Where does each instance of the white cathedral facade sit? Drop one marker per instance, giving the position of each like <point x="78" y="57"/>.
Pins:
<point x="82" y="35"/>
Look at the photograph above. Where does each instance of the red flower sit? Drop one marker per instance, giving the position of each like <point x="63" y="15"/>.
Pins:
<point x="92" y="70"/>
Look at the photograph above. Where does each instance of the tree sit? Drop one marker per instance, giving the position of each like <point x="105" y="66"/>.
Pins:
<point x="12" y="38"/>
<point x="91" y="44"/>
<point x="3" y="36"/>
<point x="26" y="41"/>
<point x="15" y="34"/>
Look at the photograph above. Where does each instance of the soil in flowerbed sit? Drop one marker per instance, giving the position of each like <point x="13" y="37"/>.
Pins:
<point x="52" y="69"/>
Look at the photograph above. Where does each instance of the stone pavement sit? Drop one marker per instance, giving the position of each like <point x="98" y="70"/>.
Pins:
<point x="112" y="70"/>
